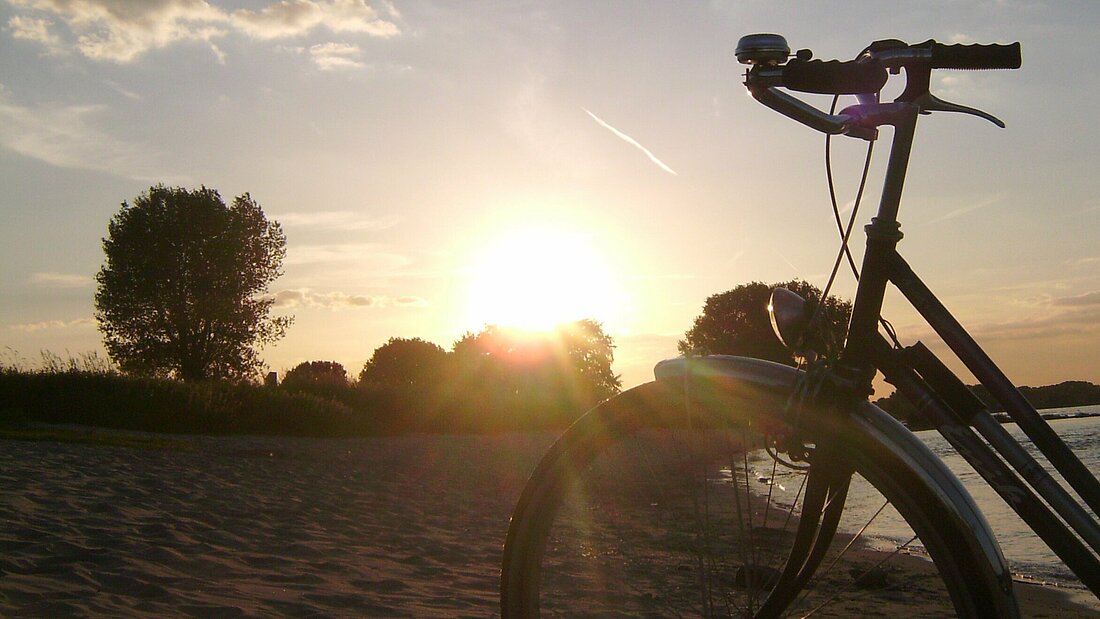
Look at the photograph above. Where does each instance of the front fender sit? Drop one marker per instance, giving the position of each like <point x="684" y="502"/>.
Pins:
<point x="725" y="380"/>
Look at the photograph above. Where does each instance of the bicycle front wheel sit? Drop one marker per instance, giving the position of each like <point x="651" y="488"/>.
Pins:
<point x="643" y="508"/>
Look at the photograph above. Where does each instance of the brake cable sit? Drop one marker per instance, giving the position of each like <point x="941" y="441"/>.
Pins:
<point x="846" y="231"/>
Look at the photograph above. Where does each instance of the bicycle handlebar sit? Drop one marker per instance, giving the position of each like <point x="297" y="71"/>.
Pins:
<point x="865" y="76"/>
<point x="834" y="77"/>
<point x="975" y="56"/>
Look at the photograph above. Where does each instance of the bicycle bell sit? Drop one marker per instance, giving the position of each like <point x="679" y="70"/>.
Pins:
<point x="765" y="49"/>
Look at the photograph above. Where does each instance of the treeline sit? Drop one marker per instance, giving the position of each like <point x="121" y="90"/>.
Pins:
<point x="1069" y="393"/>
<point x="113" y="400"/>
<point x="495" y="380"/>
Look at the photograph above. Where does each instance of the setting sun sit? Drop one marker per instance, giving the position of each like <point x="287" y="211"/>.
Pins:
<point x="535" y="279"/>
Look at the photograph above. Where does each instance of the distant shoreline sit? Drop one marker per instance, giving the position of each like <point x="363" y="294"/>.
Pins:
<point x="1052" y="401"/>
<point x="1004" y="417"/>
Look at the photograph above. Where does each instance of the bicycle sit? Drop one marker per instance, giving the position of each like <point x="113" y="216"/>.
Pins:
<point x="660" y="500"/>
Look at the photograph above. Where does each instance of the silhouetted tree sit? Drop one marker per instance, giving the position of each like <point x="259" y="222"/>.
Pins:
<point x="327" y="379"/>
<point x="405" y="362"/>
<point x="736" y="322"/>
<point x="316" y="373"/>
<point x="182" y="292"/>
<point x="492" y="365"/>
<point x="568" y="368"/>
<point x="591" y="352"/>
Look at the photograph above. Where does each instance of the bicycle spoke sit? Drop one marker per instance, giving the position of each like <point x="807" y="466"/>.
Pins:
<point x="856" y="580"/>
<point x="671" y="522"/>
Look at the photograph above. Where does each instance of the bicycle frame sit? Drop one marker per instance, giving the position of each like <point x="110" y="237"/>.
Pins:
<point x="824" y="418"/>
<point x="945" y="401"/>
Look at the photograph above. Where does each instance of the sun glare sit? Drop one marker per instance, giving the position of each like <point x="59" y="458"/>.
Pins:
<point x="536" y="279"/>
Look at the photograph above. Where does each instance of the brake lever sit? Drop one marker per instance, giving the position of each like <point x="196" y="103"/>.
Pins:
<point x="929" y="103"/>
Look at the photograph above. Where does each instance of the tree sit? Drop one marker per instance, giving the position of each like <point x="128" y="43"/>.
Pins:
<point x="571" y="363"/>
<point x="327" y="379"/>
<point x="591" y="352"/>
<point x="736" y="322"/>
<point x="316" y="374"/>
<point x="183" y="290"/>
<point x="405" y="362"/>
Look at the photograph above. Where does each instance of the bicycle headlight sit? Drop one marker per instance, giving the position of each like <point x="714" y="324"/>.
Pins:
<point x="790" y="316"/>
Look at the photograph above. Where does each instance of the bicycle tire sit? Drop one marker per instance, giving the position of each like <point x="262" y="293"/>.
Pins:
<point x="687" y="580"/>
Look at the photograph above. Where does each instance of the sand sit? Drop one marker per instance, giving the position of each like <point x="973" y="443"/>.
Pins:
<point x="400" y="526"/>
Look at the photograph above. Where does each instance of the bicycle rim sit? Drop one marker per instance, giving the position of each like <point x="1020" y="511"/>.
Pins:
<point x="693" y="517"/>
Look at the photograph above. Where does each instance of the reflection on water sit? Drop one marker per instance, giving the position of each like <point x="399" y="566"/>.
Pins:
<point x="1027" y="554"/>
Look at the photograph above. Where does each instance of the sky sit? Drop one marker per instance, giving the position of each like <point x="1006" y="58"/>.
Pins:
<point x="437" y="166"/>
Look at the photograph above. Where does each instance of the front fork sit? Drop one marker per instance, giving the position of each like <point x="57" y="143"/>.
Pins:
<point x="826" y="490"/>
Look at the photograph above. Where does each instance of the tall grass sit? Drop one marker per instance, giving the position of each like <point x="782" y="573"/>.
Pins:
<point x="86" y="390"/>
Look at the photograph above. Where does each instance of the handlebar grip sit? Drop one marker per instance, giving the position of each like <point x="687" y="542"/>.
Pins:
<point x="976" y="56"/>
<point x="834" y="77"/>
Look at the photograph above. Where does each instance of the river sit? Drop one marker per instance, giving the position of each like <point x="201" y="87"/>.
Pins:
<point x="1028" y="555"/>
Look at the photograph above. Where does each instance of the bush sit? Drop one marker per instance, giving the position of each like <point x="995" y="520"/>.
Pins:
<point x="162" y="405"/>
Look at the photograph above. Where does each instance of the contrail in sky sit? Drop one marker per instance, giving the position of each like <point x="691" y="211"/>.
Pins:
<point x="990" y="201"/>
<point x="629" y="140"/>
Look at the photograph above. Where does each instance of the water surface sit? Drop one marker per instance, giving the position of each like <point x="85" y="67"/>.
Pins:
<point x="1028" y="554"/>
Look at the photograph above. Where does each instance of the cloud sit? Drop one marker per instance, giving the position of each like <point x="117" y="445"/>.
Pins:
<point x="67" y="136"/>
<point x="35" y="29"/>
<point x="629" y="140"/>
<point x="291" y="18"/>
<point x="1087" y="299"/>
<point x="342" y="56"/>
<point x="60" y="280"/>
<point x="1043" y="317"/>
<point x="336" y="56"/>
<point x="1079" y="318"/>
<point x="1085" y="261"/>
<point x="122" y="31"/>
<point x="409" y="301"/>
<point x="109" y="30"/>
<point x="336" y="220"/>
<point x="304" y="297"/>
<point x="52" y="324"/>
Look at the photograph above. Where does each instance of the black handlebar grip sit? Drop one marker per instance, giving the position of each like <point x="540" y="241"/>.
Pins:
<point x="834" y="77"/>
<point x="976" y="56"/>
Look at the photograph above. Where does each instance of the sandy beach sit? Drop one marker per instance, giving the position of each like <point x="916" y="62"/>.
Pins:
<point x="399" y="526"/>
